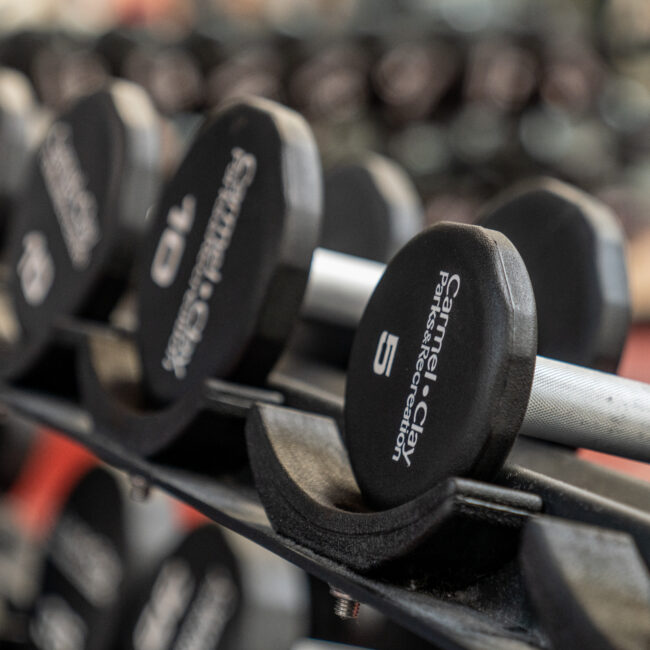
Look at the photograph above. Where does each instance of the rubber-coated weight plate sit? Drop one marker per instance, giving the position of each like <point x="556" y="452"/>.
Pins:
<point x="442" y="364"/>
<point x="192" y="599"/>
<point x="85" y="570"/>
<point x="371" y="209"/>
<point x="226" y="264"/>
<point x="574" y="250"/>
<point x="83" y="207"/>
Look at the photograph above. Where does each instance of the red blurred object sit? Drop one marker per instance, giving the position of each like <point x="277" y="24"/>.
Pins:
<point x="624" y="465"/>
<point x="53" y="467"/>
<point x="188" y="517"/>
<point x="148" y="11"/>
<point x="635" y="363"/>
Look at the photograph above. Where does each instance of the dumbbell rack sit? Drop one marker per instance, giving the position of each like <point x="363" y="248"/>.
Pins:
<point x="491" y="613"/>
<point x="236" y="506"/>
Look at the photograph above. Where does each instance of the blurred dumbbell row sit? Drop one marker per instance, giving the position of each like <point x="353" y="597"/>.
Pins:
<point x="466" y="114"/>
<point x="504" y="103"/>
<point x="91" y="558"/>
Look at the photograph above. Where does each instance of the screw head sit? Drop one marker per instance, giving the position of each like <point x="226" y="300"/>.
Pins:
<point x="345" y="607"/>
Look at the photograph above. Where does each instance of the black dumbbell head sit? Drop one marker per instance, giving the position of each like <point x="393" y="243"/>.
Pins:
<point x="371" y="208"/>
<point x="192" y="599"/>
<point x="85" y="569"/>
<point x="442" y="364"/>
<point x="227" y="259"/>
<point x="574" y="250"/>
<point x="83" y="207"/>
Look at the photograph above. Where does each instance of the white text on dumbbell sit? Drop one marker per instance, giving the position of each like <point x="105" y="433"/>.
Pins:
<point x="385" y="354"/>
<point x="426" y="367"/>
<point x="35" y="268"/>
<point x="74" y="204"/>
<point x="171" y="245"/>
<point x="170" y="596"/>
<point x="192" y="317"/>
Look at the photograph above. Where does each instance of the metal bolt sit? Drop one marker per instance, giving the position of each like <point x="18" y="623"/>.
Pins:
<point x="345" y="607"/>
<point x="140" y="488"/>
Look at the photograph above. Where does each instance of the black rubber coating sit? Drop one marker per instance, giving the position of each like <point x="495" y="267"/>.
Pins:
<point x="83" y="208"/>
<point x="574" y="250"/>
<point x="85" y="569"/>
<point x="442" y="364"/>
<point x="226" y="265"/>
<point x="371" y="208"/>
<point x="191" y="599"/>
<point x="588" y="585"/>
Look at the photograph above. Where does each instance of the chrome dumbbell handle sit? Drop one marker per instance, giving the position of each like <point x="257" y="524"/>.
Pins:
<point x="580" y="407"/>
<point x="339" y="286"/>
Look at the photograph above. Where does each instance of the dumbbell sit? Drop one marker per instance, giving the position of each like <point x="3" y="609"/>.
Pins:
<point x="574" y="250"/>
<point x="443" y="372"/>
<point x="336" y="291"/>
<point x="371" y="208"/>
<point x="191" y="597"/>
<point x="239" y="163"/>
<point x="95" y="548"/>
<point x="109" y="567"/>
<point x="85" y="570"/>
<point x="82" y="209"/>
<point x="224" y="271"/>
